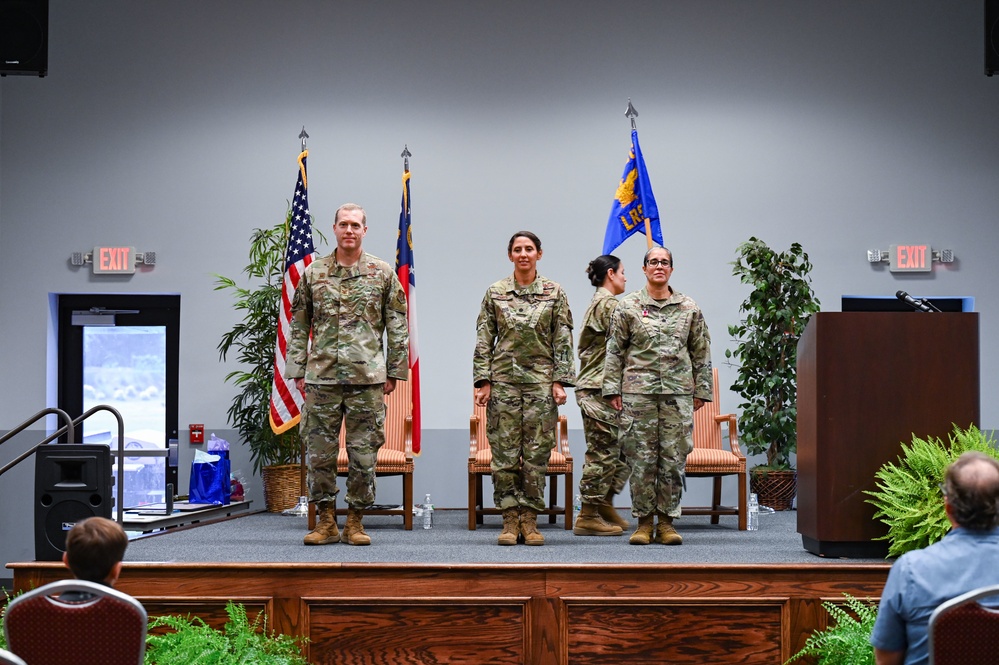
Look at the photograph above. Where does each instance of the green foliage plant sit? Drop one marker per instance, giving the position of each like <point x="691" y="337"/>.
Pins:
<point x="3" y="612"/>
<point x="775" y="314"/>
<point x="908" y="498"/>
<point x="253" y="340"/>
<point x="847" y="641"/>
<point x="191" y="640"/>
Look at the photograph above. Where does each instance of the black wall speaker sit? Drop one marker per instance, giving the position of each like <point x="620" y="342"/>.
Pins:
<point x="73" y="481"/>
<point x="24" y="37"/>
<point x="991" y="37"/>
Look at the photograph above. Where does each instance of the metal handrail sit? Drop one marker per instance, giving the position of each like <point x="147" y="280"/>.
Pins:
<point x="120" y="484"/>
<point x="68" y="429"/>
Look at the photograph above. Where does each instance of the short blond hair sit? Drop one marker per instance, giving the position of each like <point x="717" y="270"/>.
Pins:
<point x="351" y="206"/>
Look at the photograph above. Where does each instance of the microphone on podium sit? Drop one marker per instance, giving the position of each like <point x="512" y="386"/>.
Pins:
<point x="916" y="303"/>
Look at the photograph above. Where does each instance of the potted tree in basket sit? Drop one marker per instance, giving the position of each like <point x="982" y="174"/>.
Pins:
<point x="776" y="311"/>
<point x="253" y="339"/>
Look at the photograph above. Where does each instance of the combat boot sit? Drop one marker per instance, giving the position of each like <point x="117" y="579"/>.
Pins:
<point x="511" y="526"/>
<point x="666" y="532"/>
<point x="643" y="534"/>
<point x="589" y="523"/>
<point x="353" y="532"/>
<point x="529" y="527"/>
<point x="611" y="516"/>
<point x="325" y="531"/>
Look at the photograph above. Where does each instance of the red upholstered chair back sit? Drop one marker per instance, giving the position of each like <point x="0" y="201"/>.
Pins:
<point x="77" y="622"/>
<point x="7" y="658"/>
<point x="963" y="631"/>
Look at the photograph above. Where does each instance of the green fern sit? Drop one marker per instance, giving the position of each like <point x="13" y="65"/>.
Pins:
<point x="907" y="497"/>
<point x="191" y="640"/>
<point x="847" y="641"/>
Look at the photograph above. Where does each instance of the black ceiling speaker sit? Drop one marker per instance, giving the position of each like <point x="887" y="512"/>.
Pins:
<point x="24" y="37"/>
<point x="991" y="37"/>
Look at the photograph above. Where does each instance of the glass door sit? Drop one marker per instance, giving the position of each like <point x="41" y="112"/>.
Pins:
<point x="121" y="351"/>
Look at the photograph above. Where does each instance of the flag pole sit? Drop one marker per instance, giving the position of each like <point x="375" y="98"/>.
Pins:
<point x="303" y="466"/>
<point x="631" y="113"/>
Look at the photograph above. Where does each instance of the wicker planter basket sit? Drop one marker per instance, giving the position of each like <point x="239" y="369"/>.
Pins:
<point x="282" y="486"/>
<point x="775" y="489"/>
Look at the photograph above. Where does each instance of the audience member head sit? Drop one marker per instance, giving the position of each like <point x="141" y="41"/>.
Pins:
<point x="971" y="491"/>
<point x="94" y="550"/>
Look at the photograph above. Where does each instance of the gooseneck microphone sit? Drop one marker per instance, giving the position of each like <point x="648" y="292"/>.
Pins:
<point x="915" y="303"/>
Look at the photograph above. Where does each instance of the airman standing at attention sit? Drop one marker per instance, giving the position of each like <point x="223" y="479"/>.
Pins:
<point x="347" y="302"/>
<point x="604" y="470"/>
<point x="522" y="363"/>
<point x="657" y="373"/>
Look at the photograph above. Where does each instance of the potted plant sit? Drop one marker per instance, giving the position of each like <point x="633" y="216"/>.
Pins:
<point x="847" y="641"/>
<point x="190" y="639"/>
<point x="253" y="339"/>
<point x="776" y="311"/>
<point x="908" y="498"/>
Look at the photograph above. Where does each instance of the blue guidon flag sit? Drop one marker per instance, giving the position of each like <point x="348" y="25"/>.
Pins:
<point x="634" y="203"/>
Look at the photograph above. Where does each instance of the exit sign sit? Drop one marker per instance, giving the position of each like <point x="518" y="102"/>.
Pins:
<point x="908" y="258"/>
<point x="114" y="260"/>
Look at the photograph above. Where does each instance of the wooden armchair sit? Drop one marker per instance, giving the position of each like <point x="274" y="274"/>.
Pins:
<point x="480" y="458"/>
<point x="395" y="458"/>
<point x="709" y="459"/>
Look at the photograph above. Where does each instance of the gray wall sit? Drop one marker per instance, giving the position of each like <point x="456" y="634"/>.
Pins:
<point x="172" y="127"/>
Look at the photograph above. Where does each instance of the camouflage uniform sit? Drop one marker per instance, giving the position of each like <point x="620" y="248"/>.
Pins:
<point x="658" y="360"/>
<point x="604" y="469"/>
<point x="523" y="344"/>
<point x="347" y="309"/>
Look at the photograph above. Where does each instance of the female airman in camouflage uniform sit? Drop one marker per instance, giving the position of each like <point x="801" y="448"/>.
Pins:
<point x="657" y="373"/>
<point x="522" y="363"/>
<point x="604" y="469"/>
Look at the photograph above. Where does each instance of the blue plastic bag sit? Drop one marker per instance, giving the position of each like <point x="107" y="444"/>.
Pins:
<point x="210" y="479"/>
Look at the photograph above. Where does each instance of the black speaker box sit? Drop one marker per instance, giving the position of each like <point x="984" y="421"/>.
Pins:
<point x="991" y="37"/>
<point x="73" y="481"/>
<point x="24" y="37"/>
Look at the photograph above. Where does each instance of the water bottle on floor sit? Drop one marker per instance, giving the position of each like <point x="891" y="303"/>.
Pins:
<point x="428" y="513"/>
<point x="577" y="507"/>
<point x="753" y="519"/>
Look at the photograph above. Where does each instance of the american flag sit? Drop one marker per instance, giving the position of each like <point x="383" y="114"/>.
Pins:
<point x="286" y="399"/>
<point x="405" y="269"/>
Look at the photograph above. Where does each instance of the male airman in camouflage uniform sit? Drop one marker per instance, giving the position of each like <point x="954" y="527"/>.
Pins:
<point x="657" y="373"/>
<point x="347" y="301"/>
<point x="522" y="362"/>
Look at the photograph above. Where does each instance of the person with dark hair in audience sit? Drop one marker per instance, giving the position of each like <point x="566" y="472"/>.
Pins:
<point x="95" y="548"/>
<point x="964" y="560"/>
<point x="521" y="366"/>
<point x="604" y="469"/>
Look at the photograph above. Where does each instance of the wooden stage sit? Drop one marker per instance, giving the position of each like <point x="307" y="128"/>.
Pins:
<point x="584" y="614"/>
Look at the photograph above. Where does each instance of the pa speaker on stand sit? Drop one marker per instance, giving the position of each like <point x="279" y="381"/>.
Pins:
<point x="24" y="37"/>
<point x="991" y="37"/>
<point x="73" y="481"/>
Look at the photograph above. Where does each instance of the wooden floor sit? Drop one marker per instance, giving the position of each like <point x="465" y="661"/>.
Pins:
<point x="584" y="614"/>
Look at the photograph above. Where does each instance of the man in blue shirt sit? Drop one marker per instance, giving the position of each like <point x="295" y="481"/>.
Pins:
<point x="964" y="560"/>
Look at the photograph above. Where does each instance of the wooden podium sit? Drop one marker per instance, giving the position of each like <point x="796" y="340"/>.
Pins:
<point x="868" y="381"/>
